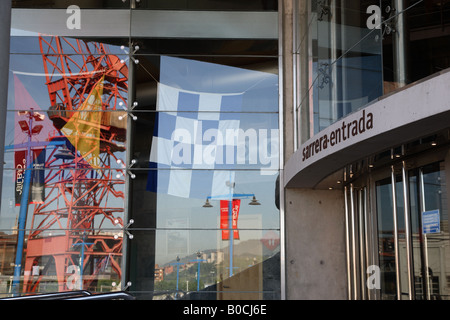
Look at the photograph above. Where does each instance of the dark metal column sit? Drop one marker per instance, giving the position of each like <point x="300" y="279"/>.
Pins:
<point x="5" y="29"/>
<point x="400" y="37"/>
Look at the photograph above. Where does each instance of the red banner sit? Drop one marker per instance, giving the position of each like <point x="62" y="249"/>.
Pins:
<point x="224" y="218"/>
<point x="37" y="178"/>
<point x="20" y="165"/>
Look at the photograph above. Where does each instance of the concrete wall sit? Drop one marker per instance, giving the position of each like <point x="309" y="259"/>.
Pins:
<point x="315" y="245"/>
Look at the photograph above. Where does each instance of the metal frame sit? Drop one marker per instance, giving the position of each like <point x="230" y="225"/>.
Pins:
<point x="121" y="295"/>
<point x="52" y="296"/>
<point x="295" y="64"/>
<point x="281" y="152"/>
<point x="362" y="239"/>
<point x="76" y="295"/>
<point x="395" y="217"/>
<point x="409" y="253"/>
<point x="353" y="224"/>
<point x="347" y="245"/>
<point x="5" y="18"/>
<point x="422" y="209"/>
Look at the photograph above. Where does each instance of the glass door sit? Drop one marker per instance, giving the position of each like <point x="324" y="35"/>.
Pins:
<point x="412" y="232"/>
<point x="394" y="246"/>
<point x="430" y="232"/>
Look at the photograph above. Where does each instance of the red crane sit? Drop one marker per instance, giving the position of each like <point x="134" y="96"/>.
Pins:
<point x="76" y="236"/>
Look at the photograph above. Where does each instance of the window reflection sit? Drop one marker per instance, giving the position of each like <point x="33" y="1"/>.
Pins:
<point x="347" y="67"/>
<point x="69" y="129"/>
<point x="55" y="80"/>
<point x="68" y="211"/>
<point x="86" y="139"/>
<point x="205" y="138"/>
<point x="66" y="205"/>
<point x="386" y="246"/>
<point x="254" y="81"/>
<point x="200" y="202"/>
<point x="207" y="49"/>
<point x="178" y="254"/>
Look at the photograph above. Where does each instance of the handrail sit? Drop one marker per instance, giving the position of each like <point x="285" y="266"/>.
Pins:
<point x="52" y="296"/>
<point x="75" y="295"/>
<point x="121" y="295"/>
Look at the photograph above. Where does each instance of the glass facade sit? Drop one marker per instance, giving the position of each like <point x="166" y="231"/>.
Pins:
<point x="347" y="55"/>
<point x="138" y="160"/>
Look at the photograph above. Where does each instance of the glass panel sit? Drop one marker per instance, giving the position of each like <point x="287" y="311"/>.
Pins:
<point x="437" y="252"/>
<point x="417" y="236"/>
<point x="215" y="85"/>
<point x="430" y="249"/>
<point x="237" y="5"/>
<point x="80" y="217"/>
<point x="386" y="246"/>
<point x="64" y="82"/>
<point x="189" y="199"/>
<point x="53" y="192"/>
<point x="84" y="4"/>
<point x="347" y="62"/>
<point x="402" y="248"/>
<point x="65" y="208"/>
<point x="199" y="24"/>
<point x="190" y="140"/>
<point x="210" y="47"/>
<point x="52" y="263"/>
<point x="53" y="46"/>
<point x="169" y="261"/>
<point x="414" y="45"/>
<point x="71" y="21"/>
<point x="78" y="139"/>
<point x="386" y="239"/>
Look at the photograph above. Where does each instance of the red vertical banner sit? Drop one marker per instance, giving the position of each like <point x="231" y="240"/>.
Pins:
<point x="37" y="176"/>
<point x="224" y="218"/>
<point x="20" y="165"/>
<point x="235" y="208"/>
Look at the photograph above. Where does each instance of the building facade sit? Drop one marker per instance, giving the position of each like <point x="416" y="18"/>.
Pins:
<point x="141" y="148"/>
<point x="366" y="162"/>
<point x="260" y="149"/>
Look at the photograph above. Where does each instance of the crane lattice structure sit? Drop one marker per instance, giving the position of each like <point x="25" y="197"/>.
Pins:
<point x="77" y="227"/>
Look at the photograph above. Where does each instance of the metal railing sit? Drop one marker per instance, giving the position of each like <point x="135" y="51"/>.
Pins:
<point x="75" y="295"/>
<point x="121" y="295"/>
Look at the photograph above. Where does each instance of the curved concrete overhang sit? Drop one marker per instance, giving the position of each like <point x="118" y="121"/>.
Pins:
<point x="417" y="110"/>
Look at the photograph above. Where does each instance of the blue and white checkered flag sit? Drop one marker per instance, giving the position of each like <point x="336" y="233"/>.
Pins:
<point x="194" y="131"/>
